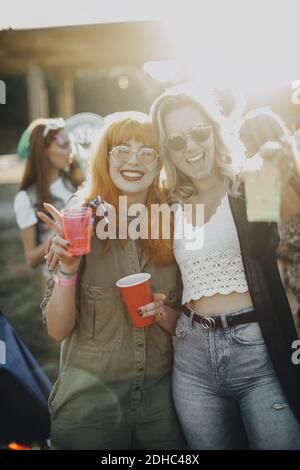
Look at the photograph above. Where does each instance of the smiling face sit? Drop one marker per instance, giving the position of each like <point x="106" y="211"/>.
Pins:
<point x="133" y="176"/>
<point x="59" y="150"/>
<point x="197" y="158"/>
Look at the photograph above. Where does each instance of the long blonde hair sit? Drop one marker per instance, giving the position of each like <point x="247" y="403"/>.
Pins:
<point x="122" y="130"/>
<point x="229" y="151"/>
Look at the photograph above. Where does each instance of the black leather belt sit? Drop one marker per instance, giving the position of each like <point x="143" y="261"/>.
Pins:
<point x="212" y="322"/>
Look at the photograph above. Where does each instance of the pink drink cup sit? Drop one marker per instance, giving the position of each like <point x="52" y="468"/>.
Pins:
<point x="77" y="224"/>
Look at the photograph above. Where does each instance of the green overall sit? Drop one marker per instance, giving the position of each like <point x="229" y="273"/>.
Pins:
<point x="114" y="386"/>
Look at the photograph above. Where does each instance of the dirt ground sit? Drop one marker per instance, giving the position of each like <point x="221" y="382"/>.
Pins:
<point x="21" y="288"/>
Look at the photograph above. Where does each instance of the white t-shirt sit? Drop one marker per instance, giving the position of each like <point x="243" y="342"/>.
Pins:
<point x="24" y="211"/>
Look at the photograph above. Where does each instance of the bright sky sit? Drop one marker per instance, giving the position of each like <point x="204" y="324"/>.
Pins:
<point x="226" y="41"/>
<point x="21" y="14"/>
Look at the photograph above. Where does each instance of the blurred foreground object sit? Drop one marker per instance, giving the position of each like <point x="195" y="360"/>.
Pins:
<point x="17" y="446"/>
<point x="24" y="391"/>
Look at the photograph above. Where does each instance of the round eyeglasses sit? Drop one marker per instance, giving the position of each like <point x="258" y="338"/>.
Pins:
<point x="177" y="141"/>
<point x="145" y="155"/>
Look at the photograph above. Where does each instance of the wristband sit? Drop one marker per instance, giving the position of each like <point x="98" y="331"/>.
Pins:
<point x="65" y="281"/>
<point x="60" y="271"/>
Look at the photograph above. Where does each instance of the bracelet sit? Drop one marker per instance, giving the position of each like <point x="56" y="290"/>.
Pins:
<point x="65" y="281"/>
<point x="65" y="274"/>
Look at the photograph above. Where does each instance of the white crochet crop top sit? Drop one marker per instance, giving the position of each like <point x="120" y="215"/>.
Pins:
<point x="211" y="261"/>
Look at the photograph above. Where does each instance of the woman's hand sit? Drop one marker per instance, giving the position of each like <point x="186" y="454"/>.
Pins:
<point x="55" y="225"/>
<point x="58" y="253"/>
<point x="56" y="244"/>
<point x="279" y="153"/>
<point x="157" y="308"/>
<point x="165" y="315"/>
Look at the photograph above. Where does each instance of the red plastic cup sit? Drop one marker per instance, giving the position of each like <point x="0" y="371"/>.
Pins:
<point x="77" y="224"/>
<point x="136" y="292"/>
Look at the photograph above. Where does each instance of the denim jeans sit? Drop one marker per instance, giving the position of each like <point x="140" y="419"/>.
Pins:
<point x="226" y="392"/>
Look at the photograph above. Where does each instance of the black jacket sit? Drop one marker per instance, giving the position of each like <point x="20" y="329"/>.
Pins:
<point x="258" y="241"/>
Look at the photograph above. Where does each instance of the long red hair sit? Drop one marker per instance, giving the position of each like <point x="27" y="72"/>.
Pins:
<point x="160" y="250"/>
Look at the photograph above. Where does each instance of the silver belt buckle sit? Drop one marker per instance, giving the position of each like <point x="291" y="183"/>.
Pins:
<point x="208" y="323"/>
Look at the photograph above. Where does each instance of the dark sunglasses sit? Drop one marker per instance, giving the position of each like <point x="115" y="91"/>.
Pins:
<point x="199" y="133"/>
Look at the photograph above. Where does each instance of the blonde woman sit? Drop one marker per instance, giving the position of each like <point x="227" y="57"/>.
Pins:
<point x="114" y="385"/>
<point x="234" y="383"/>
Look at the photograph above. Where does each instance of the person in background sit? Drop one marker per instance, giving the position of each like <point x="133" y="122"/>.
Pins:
<point x="257" y="128"/>
<point x="23" y="146"/>
<point x="51" y="175"/>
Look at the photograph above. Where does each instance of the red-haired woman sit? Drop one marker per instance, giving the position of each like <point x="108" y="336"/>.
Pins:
<point x="50" y="175"/>
<point x="114" y="385"/>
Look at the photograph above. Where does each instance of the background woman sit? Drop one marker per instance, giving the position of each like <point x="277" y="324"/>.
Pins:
<point x="51" y="175"/>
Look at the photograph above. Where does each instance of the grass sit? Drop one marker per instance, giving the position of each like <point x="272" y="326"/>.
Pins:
<point x="21" y="293"/>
